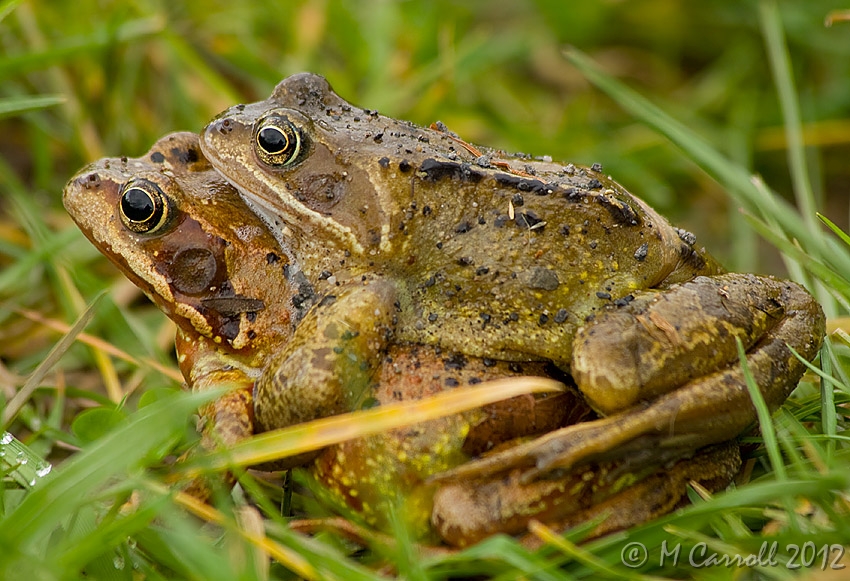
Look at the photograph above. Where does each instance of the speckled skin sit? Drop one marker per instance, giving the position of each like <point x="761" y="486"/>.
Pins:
<point x="230" y="291"/>
<point x="510" y="257"/>
<point x="491" y="255"/>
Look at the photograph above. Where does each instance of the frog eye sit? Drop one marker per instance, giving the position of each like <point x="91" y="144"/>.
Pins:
<point x="144" y="208"/>
<point x="278" y="141"/>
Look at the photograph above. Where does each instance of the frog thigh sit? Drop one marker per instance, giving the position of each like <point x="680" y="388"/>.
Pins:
<point x="703" y="411"/>
<point x="665" y="339"/>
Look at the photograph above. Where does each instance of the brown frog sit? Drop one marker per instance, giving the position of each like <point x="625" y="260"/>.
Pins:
<point x="180" y="232"/>
<point x="514" y="258"/>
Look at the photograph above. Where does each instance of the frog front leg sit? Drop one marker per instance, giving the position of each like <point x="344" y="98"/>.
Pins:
<point x="327" y="366"/>
<point x="225" y="421"/>
<point x="664" y="368"/>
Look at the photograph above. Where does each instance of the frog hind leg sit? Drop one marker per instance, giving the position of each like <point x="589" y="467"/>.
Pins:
<point x="327" y="366"/>
<point x="617" y="495"/>
<point x="694" y="411"/>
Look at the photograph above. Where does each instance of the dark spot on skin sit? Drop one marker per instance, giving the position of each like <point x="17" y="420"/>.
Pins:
<point x="603" y="295"/>
<point x="514" y="317"/>
<point x="404" y="166"/>
<point x="252" y="334"/>
<point x="463" y="227"/>
<point x="384" y="162"/>
<point x="572" y="195"/>
<point x="251" y="316"/>
<point x="528" y="219"/>
<point x="564" y="230"/>
<point x="481" y="220"/>
<point x="543" y="278"/>
<point x="481" y="270"/>
<point x="426" y="211"/>
<point x="620" y="211"/>
<point x="593" y="245"/>
<point x="524" y="184"/>
<point x="515" y="367"/>
<point x="517" y="200"/>
<point x="688" y="237"/>
<point x="432" y="317"/>
<point x="597" y="167"/>
<point x="325" y="275"/>
<point x="185" y="156"/>
<point x="230" y="329"/>
<point x="485" y="319"/>
<point x="456" y="361"/>
<point x="560" y="316"/>
<point x="452" y="382"/>
<point x="157" y="157"/>
<point x="439" y="245"/>
<point x="543" y="319"/>
<point x="232" y="307"/>
<point x="436" y="170"/>
<point x="465" y="261"/>
<point x="301" y="299"/>
<point x="594" y="184"/>
<point x="378" y="138"/>
<point x="474" y="380"/>
<point x="641" y="252"/>
<point x="488" y="362"/>
<point x="501" y="220"/>
<point x="272" y="258"/>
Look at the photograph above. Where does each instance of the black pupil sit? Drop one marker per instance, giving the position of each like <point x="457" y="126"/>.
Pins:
<point x="137" y="205"/>
<point x="272" y="140"/>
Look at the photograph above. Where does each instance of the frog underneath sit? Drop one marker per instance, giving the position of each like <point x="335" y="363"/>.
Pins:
<point x="179" y="232"/>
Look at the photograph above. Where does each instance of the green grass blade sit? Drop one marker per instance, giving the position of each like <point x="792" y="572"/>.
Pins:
<point x="16" y="105"/>
<point x="768" y="432"/>
<point x="71" y="485"/>
<point x="780" y="64"/>
<point x="734" y="177"/>
<point x="34" y="380"/>
<point x="18" y="460"/>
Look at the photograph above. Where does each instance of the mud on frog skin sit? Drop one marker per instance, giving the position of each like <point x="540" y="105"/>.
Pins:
<point x="169" y="223"/>
<point x="510" y="257"/>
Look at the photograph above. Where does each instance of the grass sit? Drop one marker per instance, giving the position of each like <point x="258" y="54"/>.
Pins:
<point x="690" y="103"/>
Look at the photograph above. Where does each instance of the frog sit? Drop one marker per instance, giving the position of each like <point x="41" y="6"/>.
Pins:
<point x="514" y="257"/>
<point x="180" y="232"/>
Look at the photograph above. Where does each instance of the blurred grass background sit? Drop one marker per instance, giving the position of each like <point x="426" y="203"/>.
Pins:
<point x="93" y="78"/>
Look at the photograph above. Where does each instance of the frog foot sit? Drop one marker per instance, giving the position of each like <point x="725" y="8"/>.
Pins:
<point x="678" y="334"/>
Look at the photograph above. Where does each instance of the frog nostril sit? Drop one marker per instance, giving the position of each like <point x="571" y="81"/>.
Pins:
<point x="91" y="181"/>
<point x="225" y="126"/>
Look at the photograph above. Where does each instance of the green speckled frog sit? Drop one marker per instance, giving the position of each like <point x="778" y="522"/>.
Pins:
<point x="179" y="231"/>
<point x="513" y="258"/>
